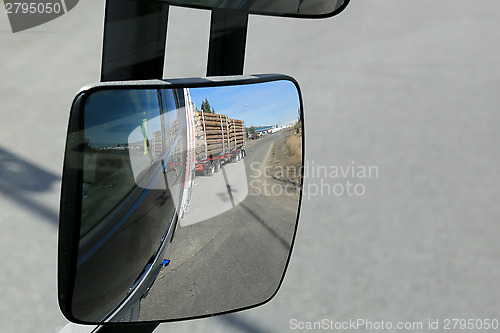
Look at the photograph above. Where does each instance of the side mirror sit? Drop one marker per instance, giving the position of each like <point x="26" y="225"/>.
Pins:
<point x="168" y="210"/>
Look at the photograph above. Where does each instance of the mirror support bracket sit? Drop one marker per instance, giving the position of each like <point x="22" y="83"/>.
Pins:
<point x="135" y="36"/>
<point x="226" y="52"/>
<point x="134" y="40"/>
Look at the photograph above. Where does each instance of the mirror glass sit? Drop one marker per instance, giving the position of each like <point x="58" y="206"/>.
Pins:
<point x="188" y="198"/>
<point x="295" y="8"/>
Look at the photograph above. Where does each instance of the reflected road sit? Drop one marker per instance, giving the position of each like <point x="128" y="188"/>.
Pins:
<point x="241" y="254"/>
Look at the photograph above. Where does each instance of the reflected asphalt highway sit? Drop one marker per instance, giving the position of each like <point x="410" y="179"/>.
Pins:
<point x="210" y="196"/>
<point x="221" y="261"/>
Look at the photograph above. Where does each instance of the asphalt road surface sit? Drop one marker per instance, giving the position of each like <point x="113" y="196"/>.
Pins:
<point x="410" y="87"/>
<point x="210" y="196"/>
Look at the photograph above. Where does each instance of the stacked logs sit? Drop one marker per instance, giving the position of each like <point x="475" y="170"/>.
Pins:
<point x="220" y="132"/>
<point x="236" y="133"/>
<point x="214" y="132"/>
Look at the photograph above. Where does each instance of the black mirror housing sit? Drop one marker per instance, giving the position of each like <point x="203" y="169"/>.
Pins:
<point x="285" y="8"/>
<point x="163" y="190"/>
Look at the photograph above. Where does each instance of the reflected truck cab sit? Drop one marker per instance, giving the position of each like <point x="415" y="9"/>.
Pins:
<point x="133" y="183"/>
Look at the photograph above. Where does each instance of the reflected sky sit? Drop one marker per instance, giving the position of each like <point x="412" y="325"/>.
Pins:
<point x="258" y="104"/>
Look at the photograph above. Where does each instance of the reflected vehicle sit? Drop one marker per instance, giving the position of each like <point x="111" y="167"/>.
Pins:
<point x="132" y="183"/>
<point x="152" y="237"/>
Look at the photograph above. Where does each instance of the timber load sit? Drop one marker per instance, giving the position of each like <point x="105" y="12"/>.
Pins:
<point x="217" y="134"/>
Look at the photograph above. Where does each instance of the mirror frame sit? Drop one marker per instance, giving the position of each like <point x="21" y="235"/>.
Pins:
<point x="72" y="179"/>
<point x="305" y="16"/>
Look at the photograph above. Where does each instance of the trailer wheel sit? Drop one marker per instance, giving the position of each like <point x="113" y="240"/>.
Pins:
<point x="217" y="166"/>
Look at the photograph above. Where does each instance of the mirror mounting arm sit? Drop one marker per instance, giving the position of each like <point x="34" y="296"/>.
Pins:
<point x="135" y="36"/>
<point x="134" y="40"/>
<point x="228" y="34"/>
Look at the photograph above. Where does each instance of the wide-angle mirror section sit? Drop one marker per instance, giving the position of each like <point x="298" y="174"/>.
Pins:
<point x="289" y="8"/>
<point x="180" y="199"/>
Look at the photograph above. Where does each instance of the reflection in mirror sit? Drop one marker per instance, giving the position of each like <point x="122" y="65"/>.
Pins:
<point x="295" y="8"/>
<point x="189" y="199"/>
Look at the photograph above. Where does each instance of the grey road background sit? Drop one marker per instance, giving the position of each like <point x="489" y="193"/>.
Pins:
<point x="410" y="87"/>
